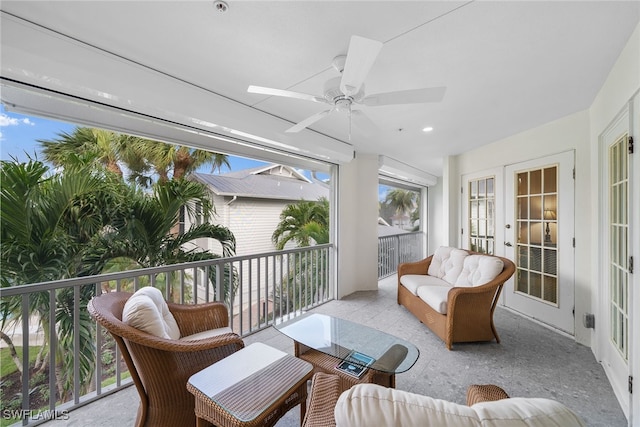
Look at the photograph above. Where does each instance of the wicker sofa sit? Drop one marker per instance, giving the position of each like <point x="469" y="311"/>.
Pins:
<point x="374" y="405"/>
<point x="454" y="293"/>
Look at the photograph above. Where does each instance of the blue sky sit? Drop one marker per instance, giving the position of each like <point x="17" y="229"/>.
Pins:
<point x="19" y="135"/>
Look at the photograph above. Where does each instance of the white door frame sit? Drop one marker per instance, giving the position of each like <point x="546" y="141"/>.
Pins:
<point x="634" y="415"/>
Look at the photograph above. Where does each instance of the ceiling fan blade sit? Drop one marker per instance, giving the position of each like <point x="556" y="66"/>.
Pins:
<point x="413" y="96"/>
<point x="308" y="121"/>
<point x="363" y="122"/>
<point x="286" y="94"/>
<point x="360" y="57"/>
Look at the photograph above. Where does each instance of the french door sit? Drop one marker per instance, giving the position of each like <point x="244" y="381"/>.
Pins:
<point x="483" y="212"/>
<point x="539" y="237"/>
<point x="616" y="291"/>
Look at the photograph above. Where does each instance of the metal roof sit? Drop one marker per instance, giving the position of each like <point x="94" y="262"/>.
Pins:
<point x="260" y="183"/>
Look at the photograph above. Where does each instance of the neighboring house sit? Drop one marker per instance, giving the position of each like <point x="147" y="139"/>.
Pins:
<point x="249" y="203"/>
<point x="384" y="229"/>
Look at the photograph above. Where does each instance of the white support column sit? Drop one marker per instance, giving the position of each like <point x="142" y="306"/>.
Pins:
<point x="358" y="225"/>
<point x="450" y="202"/>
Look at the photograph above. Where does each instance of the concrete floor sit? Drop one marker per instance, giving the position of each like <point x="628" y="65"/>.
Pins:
<point x="531" y="361"/>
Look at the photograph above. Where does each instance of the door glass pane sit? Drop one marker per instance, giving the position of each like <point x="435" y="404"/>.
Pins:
<point x="523" y="207"/>
<point x="618" y="245"/>
<point x="523" y="183"/>
<point x="537" y="222"/>
<point x="550" y="176"/>
<point x="481" y="215"/>
<point x="535" y="186"/>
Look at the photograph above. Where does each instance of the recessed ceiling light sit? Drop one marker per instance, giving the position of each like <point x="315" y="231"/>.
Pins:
<point x="427" y="129"/>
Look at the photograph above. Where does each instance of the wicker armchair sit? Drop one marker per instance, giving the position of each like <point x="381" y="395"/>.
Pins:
<point x="470" y="310"/>
<point x="160" y="368"/>
<point x="325" y="391"/>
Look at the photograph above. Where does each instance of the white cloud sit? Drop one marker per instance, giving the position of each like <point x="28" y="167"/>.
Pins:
<point x="8" y="121"/>
<point x="12" y="121"/>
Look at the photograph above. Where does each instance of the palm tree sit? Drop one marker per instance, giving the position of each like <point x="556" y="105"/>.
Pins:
<point x="46" y="225"/>
<point x="85" y="146"/>
<point x="141" y="234"/>
<point x="303" y="222"/>
<point x="403" y="201"/>
<point x="177" y="161"/>
<point x="142" y="158"/>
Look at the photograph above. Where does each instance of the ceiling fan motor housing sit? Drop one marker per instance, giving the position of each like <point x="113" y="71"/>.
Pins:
<point x="334" y="95"/>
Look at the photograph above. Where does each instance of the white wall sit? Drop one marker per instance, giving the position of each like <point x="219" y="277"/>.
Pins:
<point x="358" y="225"/>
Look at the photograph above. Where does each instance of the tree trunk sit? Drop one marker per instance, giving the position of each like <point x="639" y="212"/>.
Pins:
<point x="12" y="351"/>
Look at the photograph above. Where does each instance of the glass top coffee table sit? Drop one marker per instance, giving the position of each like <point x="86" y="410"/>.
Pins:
<point x="355" y="352"/>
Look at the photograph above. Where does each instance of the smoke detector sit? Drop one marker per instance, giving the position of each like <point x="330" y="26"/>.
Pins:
<point x="220" y="6"/>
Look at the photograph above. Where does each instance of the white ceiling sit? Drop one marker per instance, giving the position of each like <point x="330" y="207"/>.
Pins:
<point x="507" y="66"/>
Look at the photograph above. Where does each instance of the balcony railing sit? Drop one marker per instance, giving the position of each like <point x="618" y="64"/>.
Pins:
<point x="396" y="249"/>
<point x="257" y="289"/>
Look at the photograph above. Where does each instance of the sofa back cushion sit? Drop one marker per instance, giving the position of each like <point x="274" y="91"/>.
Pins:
<point x="447" y="263"/>
<point x="373" y="405"/>
<point x="478" y="270"/>
<point x="366" y="405"/>
<point x="148" y="311"/>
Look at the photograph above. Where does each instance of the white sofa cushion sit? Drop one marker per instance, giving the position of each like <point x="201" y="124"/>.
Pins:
<point x="529" y="412"/>
<point x="447" y="263"/>
<point x="148" y="311"/>
<point x="366" y="405"/>
<point x="478" y="270"/>
<point x="435" y="296"/>
<point x="373" y="405"/>
<point x="413" y="281"/>
<point x="207" y="334"/>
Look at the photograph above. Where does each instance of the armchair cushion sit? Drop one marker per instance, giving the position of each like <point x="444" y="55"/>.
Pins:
<point x="478" y="270"/>
<point x="207" y="334"/>
<point x="147" y="311"/>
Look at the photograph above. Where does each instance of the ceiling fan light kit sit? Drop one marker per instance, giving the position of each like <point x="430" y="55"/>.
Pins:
<point x="348" y="89"/>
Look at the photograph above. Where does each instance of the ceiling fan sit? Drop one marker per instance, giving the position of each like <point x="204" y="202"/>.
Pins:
<point x="341" y="93"/>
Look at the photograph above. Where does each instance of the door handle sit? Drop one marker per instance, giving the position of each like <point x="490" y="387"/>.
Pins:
<point x="508" y="244"/>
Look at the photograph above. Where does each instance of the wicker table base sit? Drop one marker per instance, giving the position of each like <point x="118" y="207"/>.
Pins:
<point x="255" y="386"/>
<point x="325" y="363"/>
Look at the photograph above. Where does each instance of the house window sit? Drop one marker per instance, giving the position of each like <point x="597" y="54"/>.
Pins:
<point x="482" y="202"/>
